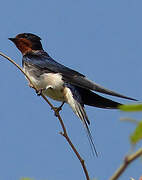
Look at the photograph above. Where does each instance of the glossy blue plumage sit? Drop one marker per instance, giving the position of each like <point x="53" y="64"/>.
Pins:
<point x="62" y="83"/>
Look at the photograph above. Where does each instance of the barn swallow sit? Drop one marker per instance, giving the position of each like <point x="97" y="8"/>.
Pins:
<point x="60" y="82"/>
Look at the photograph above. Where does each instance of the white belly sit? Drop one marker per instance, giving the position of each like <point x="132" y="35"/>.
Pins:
<point x="51" y="83"/>
<point x="56" y="94"/>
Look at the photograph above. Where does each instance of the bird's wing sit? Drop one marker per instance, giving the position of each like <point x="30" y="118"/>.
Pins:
<point x="44" y="62"/>
<point x="92" y="99"/>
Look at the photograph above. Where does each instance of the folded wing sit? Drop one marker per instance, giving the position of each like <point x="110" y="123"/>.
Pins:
<point x="44" y="62"/>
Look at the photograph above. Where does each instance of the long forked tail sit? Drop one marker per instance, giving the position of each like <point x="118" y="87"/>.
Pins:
<point x="80" y="112"/>
<point x="74" y="100"/>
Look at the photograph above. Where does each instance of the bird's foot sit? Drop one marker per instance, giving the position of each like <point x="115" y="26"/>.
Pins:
<point x="39" y="91"/>
<point x="58" y="109"/>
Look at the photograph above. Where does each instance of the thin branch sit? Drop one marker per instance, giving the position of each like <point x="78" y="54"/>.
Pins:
<point x="128" y="159"/>
<point x="64" y="134"/>
<point x="72" y="146"/>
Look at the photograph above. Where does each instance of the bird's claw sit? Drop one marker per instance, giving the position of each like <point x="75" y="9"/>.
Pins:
<point x="39" y="92"/>
<point x="58" y="109"/>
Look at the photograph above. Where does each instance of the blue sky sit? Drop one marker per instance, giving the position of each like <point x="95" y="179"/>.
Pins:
<point x="101" y="39"/>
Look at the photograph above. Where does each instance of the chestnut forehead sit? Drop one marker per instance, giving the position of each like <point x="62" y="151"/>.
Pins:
<point x="23" y="42"/>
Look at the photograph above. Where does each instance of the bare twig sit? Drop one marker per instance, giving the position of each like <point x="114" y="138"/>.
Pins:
<point x="64" y="134"/>
<point x="127" y="161"/>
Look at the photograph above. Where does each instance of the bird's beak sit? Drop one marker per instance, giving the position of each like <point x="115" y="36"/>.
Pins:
<point x="12" y="39"/>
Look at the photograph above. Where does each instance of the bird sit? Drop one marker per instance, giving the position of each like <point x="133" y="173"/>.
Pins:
<point x="62" y="83"/>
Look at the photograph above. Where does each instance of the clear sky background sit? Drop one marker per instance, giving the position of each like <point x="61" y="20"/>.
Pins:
<point x="101" y="39"/>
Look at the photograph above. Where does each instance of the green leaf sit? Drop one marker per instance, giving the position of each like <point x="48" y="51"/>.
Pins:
<point x="137" y="134"/>
<point x="131" y="107"/>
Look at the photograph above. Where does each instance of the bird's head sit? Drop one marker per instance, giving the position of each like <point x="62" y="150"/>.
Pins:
<point x="27" y="42"/>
